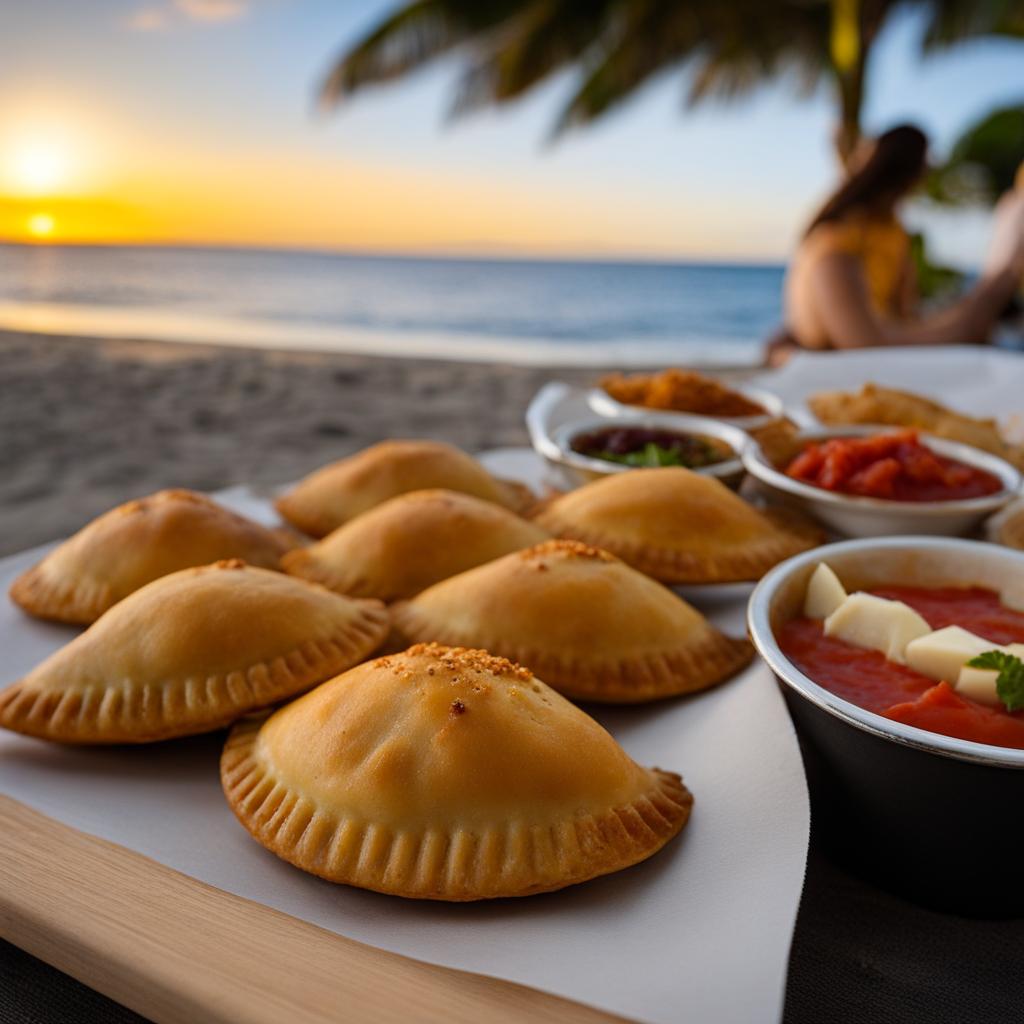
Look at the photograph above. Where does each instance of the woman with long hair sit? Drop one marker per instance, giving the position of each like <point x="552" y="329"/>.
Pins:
<point x="852" y="284"/>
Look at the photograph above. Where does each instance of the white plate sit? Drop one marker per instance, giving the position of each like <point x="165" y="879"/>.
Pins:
<point x="701" y="930"/>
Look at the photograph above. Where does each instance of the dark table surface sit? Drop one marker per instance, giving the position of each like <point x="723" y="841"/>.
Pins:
<point x="860" y="955"/>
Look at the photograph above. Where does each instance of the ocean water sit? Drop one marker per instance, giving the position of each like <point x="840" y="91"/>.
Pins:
<point x="516" y="310"/>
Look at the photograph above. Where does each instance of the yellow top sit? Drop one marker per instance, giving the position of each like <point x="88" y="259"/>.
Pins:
<point x="883" y="248"/>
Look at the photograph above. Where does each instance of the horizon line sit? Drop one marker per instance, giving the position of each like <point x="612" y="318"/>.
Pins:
<point x="440" y="254"/>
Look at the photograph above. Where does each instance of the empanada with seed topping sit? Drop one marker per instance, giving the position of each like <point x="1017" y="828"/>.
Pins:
<point x="331" y="496"/>
<point x="192" y="652"/>
<point x="410" y="542"/>
<point x="583" y="621"/>
<point x="446" y="774"/>
<point x="677" y="526"/>
<point x="134" y="544"/>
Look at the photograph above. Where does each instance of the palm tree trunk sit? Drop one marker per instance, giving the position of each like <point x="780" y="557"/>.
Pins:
<point x="851" y="99"/>
<point x="855" y="26"/>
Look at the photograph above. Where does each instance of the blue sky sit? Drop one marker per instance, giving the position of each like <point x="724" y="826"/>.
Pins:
<point x="186" y="86"/>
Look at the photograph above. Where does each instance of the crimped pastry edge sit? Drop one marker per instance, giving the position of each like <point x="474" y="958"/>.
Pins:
<point x="466" y="867"/>
<point x="747" y="563"/>
<point x="625" y="681"/>
<point x="183" y="707"/>
<point x="78" y="602"/>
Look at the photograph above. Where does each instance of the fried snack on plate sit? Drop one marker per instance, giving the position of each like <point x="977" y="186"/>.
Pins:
<point x="585" y="622"/>
<point x="411" y="542"/>
<point x="446" y="774"/>
<point x="190" y="653"/>
<point x="338" y="492"/>
<point x="136" y="543"/>
<point x="677" y="526"/>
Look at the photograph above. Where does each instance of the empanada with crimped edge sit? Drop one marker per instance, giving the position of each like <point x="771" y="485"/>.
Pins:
<point x="333" y="495"/>
<point x="411" y="542"/>
<point x="134" y="544"/>
<point x="446" y="774"/>
<point x="676" y="525"/>
<point x="192" y="652"/>
<point x="582" y="620"/>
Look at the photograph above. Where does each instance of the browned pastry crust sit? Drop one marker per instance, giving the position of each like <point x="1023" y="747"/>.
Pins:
<point x="449" y="775"/>
<point x="134" y="544"/>
<point x="192" y="652"/>
<point x="675" y="525"/>
<point x="411" y="542"/>
<point x="583" y="621"/>
<point x="333" y="495"/>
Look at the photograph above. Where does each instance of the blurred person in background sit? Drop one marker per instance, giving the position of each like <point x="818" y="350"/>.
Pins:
<point x="851" y="283"/>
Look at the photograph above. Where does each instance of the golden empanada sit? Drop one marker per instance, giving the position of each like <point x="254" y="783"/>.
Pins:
<point x="331" y="496"/>
<point x="584" y="622"/>
<point x="134" y="544"/>
<point x="411" y="542"/>
<point x="192" y="652"/>
<point x="446" y="774"/>
<point x="675" y="525"/>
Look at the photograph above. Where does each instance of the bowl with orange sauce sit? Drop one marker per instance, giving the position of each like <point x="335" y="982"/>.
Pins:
<point x="915" y="781"/>
<point x="872" y="481"/>
<point x="677" y="391"/>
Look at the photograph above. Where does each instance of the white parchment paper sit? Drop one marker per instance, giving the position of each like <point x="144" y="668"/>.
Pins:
<point x="699" y="933"/>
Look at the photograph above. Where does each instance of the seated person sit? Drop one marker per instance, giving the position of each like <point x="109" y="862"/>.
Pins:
<point x="852" y="284"/>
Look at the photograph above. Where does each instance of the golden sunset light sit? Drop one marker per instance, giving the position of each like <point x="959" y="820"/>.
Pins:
<point x="40" y="225"/>
<point x="39" y="167"/>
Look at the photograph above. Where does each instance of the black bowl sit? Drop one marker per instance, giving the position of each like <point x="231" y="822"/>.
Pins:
<point x="933" y="818"/>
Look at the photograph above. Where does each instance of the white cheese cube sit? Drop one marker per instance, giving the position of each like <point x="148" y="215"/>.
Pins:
<point x="941" y="655"/>
<point x="824" y="593"/>
<point x="877" y="624"/>
<point x="979" y="684"/>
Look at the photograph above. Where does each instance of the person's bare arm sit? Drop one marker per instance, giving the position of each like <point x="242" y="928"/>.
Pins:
<point x="841" y="297"/>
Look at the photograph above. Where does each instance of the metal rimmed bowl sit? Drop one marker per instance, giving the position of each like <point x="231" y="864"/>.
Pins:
<point x="553" y="439"/>
<point x="926" y="815"/>
<point x="604" y="405"/>
<point x="878" y="517"/>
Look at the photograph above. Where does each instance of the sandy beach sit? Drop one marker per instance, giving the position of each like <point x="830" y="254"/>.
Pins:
<point x="86" y="424"/>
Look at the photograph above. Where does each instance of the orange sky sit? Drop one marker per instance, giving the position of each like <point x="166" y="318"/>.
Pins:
<point x="192" y="121"/>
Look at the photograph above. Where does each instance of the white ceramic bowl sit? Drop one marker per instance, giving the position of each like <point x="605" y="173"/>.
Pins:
<point x="604" y="405"/>
<point x="878" y="517"/>
<point x="924" y="814"/>
<point x="552" y="439"/>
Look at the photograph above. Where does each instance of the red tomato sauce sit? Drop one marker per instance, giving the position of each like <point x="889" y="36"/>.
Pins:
<point x="869" y="680"/>
<point x="892" y="465"/>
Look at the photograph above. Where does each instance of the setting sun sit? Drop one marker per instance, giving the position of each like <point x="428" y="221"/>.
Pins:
<point x="40" y="225"/>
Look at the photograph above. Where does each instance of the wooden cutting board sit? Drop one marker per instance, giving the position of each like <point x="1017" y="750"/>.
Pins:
<point x="181" y="952"/>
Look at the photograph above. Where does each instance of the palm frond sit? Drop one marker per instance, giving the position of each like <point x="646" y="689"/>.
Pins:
<point x="540" y="41"/>
<point x="409" y="38"/>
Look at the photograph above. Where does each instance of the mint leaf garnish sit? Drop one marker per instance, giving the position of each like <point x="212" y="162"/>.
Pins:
<point x="1010" y="681"/>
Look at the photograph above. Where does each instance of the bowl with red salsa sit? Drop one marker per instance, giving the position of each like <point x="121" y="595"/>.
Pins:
<point x="916" y="780"/>
<point x="871" y="482"/>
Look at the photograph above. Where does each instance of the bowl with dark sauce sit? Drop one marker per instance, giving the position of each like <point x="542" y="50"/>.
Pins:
<point x="582" y="450"/>
<point x="865" y="481"/>
<point x="914" y="753"/>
